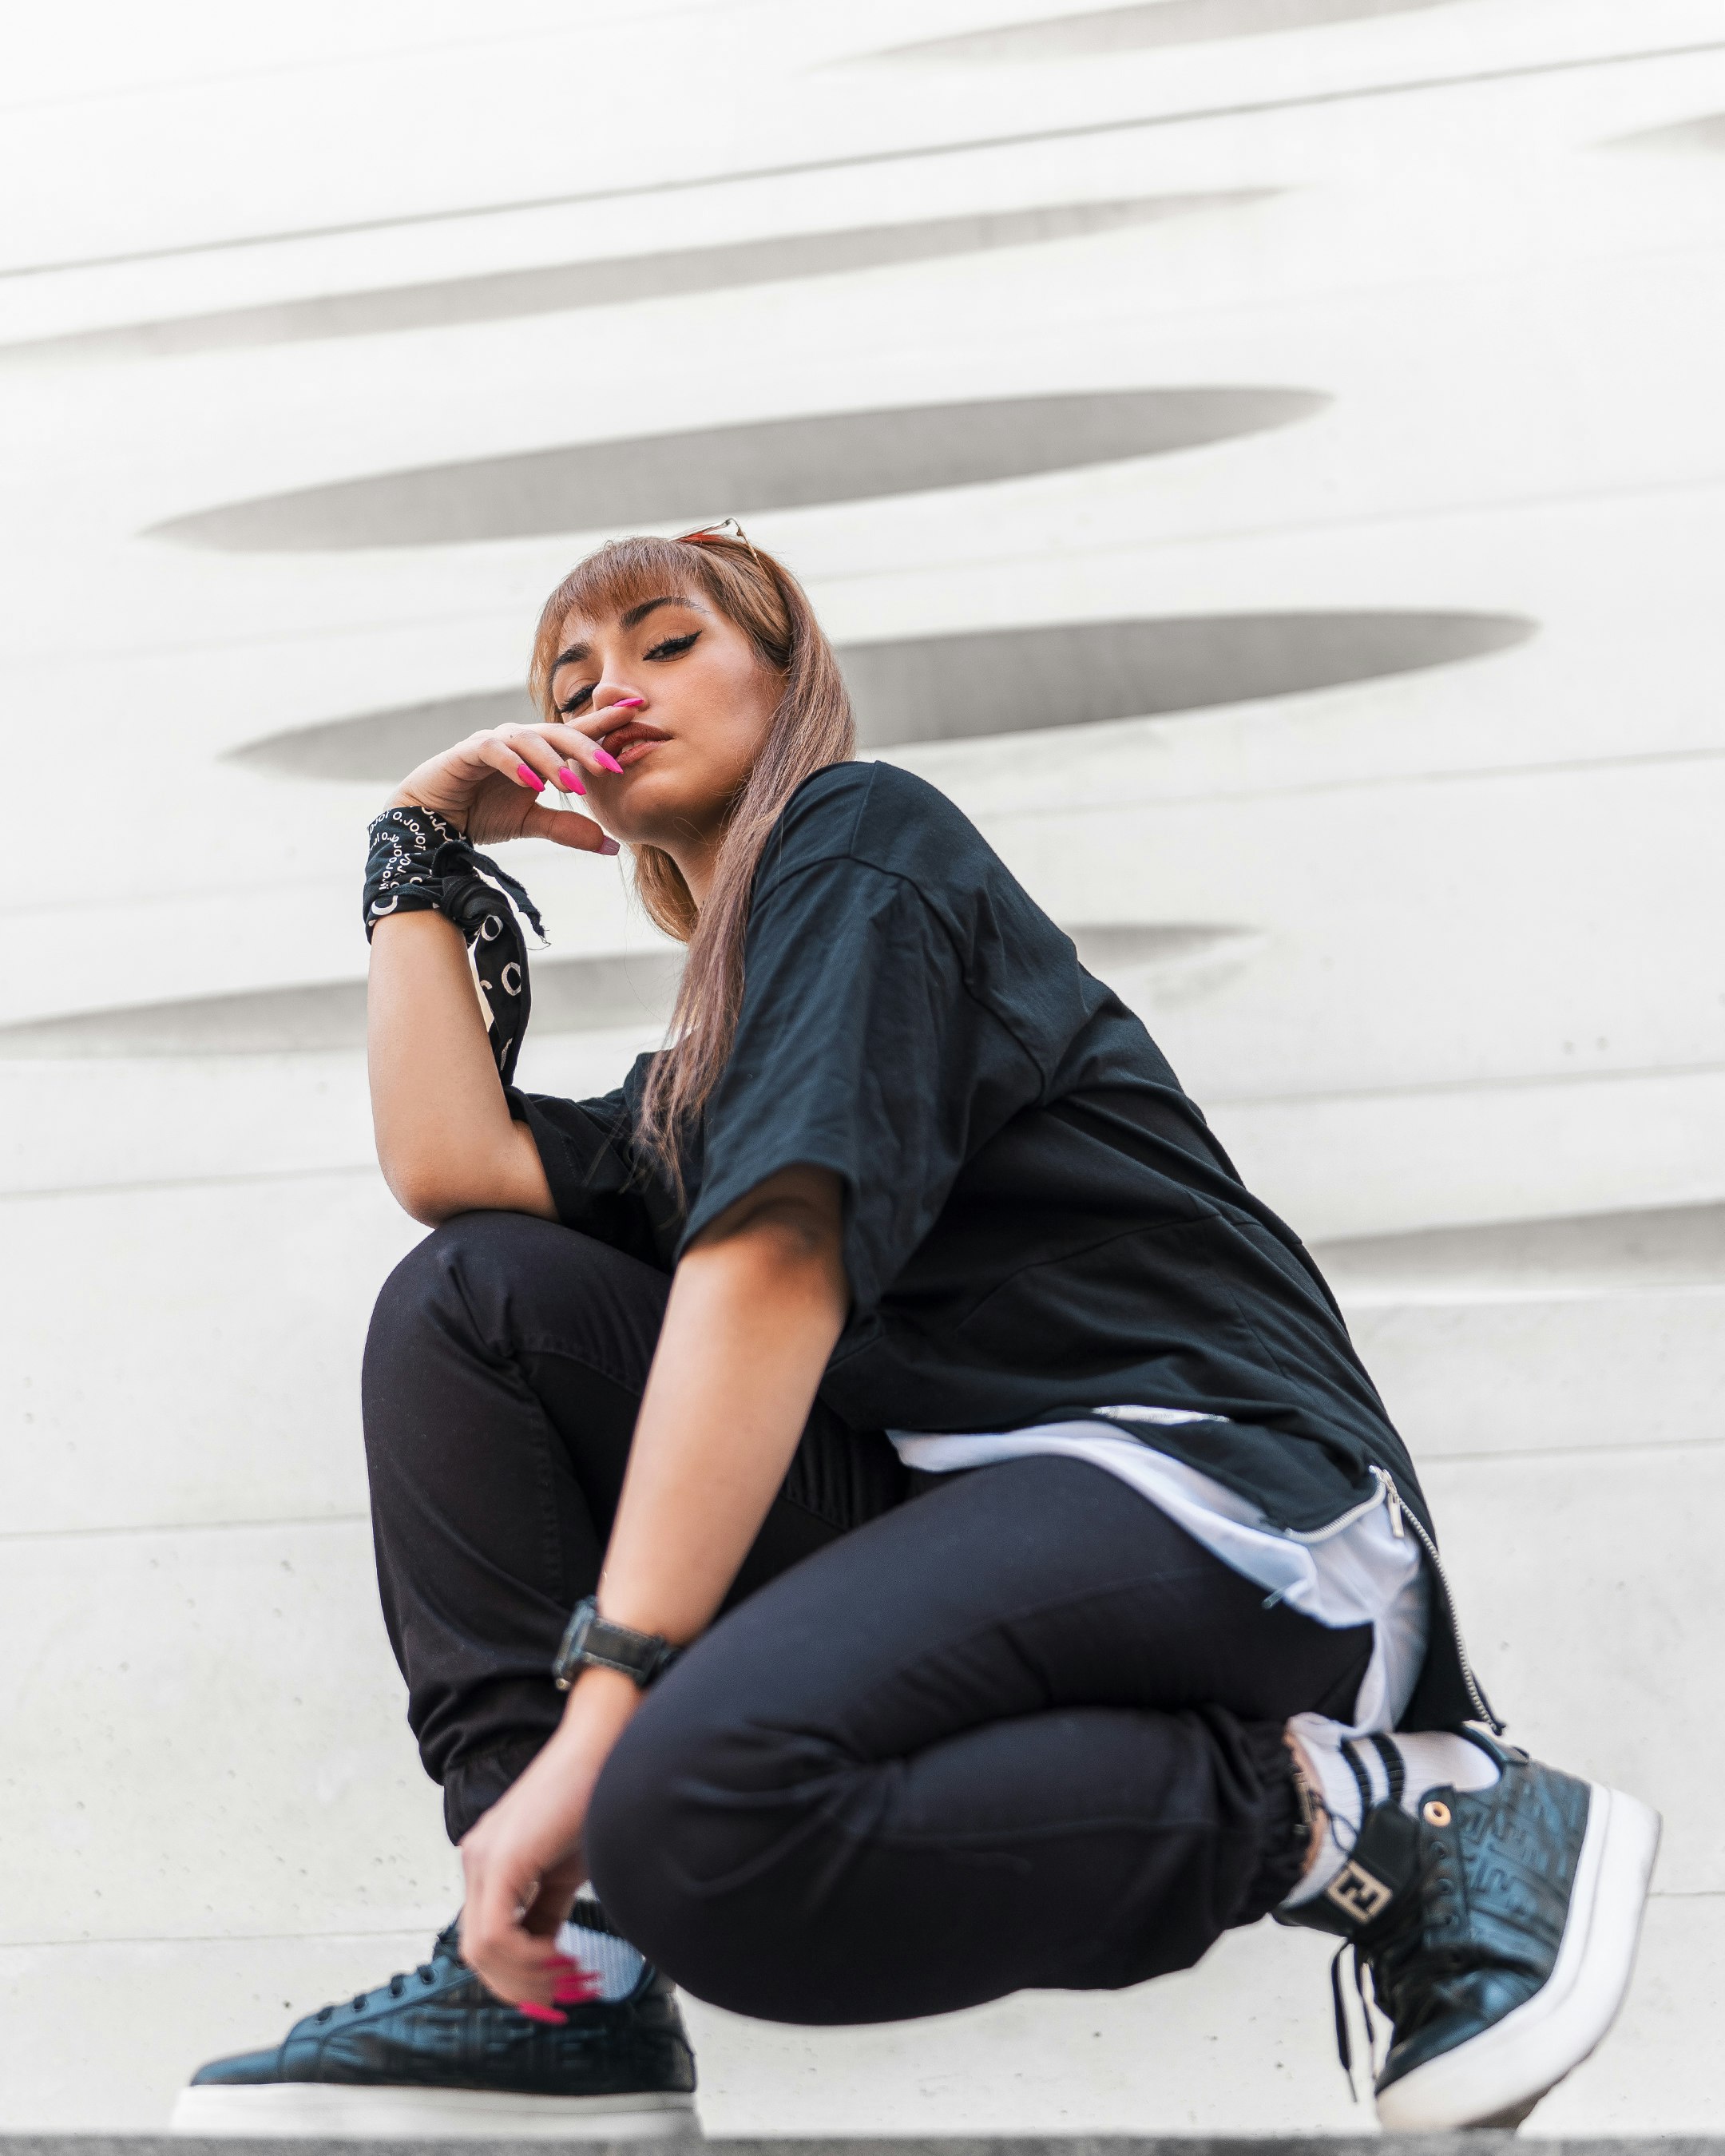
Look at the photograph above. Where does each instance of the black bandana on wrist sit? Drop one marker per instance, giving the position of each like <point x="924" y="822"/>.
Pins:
<point x="419" y="863"/>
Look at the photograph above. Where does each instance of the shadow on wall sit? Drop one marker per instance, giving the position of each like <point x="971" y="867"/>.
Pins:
<point x="809" y="462"/>
<point x="617" y="280"/>
<point x="632" y="989"/>
<point x="990" y="682"/>
<point x="1138" y="28"/>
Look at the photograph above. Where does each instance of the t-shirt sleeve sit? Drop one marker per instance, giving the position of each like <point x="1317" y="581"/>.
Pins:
<point x="859" y="1047"/>
<point x="594" y="1177"/>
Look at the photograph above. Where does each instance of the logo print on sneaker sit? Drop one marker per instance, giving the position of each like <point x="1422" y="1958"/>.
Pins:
<point x="1357" y="1894"/>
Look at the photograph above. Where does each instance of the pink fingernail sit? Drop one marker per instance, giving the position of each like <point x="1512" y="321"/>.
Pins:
<point x="576" y="1990"/>
<point x="567" y="776"/>
<point x="609" y="846"/>
<point x="630" y="704"/>
<point x="605" y="760"/>
<point x="529" y="777"/>
<point x="542" y="2013"/>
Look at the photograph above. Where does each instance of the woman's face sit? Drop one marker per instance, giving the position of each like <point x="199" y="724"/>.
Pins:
<point x="706" y="701"/>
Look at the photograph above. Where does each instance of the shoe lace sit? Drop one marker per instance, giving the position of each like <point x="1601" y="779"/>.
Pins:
<point x="1404" y="1970"/>
<point x="396" y="1985"/>
<point x="1344" y="2045"/>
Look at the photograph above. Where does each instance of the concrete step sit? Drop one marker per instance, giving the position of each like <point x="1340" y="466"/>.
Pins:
<point x="1476" y="2144"/>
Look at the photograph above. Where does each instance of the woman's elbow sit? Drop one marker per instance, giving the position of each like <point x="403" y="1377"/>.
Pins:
<point x="433" y="1186"/>
<point x="423" y="1192"/>
<point x="432" y="1183"/>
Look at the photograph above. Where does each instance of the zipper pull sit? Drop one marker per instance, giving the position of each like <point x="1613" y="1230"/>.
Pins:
<point x="1392" y="1499"/>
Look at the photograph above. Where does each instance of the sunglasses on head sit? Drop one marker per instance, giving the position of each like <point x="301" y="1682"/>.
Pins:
<point x="728" y="528"/>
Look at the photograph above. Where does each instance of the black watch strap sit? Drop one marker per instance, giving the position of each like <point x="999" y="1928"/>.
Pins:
<point x="591" y="1638"/>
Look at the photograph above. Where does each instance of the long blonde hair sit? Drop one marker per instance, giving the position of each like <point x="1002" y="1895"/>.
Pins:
<point x="812" y="727"/>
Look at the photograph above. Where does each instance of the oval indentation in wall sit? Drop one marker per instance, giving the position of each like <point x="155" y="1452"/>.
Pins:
<point x="570" y="995"/>
<point x="991" y="682"/>
<point x="713" y="471"/>
<point x="386" y="744"/>
<point x="632" y="989"/>
<point x="1707" y="132"/>
<point x="1140" y="28"/>
<point x="1014" y="680"/>
<point x="1174" y="962"/>
<point x="616" y="280"/>
<point x="1591" y="1253"/>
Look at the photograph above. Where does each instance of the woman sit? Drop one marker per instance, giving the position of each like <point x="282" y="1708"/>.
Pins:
<point x="1006" y="1573"/>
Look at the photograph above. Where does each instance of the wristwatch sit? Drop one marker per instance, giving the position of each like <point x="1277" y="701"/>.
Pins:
<point x="591" y="1638"/>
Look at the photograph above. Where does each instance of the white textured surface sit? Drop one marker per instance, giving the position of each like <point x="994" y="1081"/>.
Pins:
<point x="1248" y="2030"/>
<point x="1482" y="986"/>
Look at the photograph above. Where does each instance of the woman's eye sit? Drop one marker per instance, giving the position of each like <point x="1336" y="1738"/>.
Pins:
<point x="673" y="646"/>
<point x="577" y="702"/>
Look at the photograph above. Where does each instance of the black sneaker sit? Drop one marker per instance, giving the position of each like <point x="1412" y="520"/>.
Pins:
<point x="1500" y="1930"/>
<point x="433" y="2052"/>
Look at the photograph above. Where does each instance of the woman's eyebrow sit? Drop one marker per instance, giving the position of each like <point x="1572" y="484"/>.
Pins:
<point x="632" y="619"/>
<point x="637" y="614"/>
<point x="569" y="657"/>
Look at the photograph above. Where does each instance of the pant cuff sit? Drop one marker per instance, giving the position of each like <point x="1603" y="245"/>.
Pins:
<point x="472" y="1785"/>
<point x="1286" y="1837"/>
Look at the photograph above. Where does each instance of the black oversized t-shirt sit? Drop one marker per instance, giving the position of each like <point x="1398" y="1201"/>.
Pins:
<point x="1037" y="1218"/>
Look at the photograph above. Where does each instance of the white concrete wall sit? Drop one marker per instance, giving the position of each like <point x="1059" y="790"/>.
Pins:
<point x="1475" y="983"/>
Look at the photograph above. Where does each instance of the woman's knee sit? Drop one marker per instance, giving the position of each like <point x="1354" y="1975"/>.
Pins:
<point x="671" y="1825"/>
<point x="445" y="1310"/>
<point x="501" y="1282"/>
<point x="417" y="1292"/>
<point x="709" y="1827"/>
<point x="474" y="1278"/>
<point x="633" y="1832"/>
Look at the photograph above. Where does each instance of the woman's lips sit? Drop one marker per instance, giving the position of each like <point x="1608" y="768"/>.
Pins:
<point x="629" y="744"/>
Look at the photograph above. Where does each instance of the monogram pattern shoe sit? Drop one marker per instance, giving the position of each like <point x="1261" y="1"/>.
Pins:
<point x="1499" y="1927"/>
<point x="432" y="2052"/>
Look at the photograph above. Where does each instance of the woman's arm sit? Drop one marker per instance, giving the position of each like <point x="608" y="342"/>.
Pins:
<point x="757" y="1305"/>
<point x="446" y="1142"/>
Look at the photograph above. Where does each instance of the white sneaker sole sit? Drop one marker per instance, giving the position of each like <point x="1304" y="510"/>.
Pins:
<point x="1497" y="2077"/>
<point x="302" y="2110"/>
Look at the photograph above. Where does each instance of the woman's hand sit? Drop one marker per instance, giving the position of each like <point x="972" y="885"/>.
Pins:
<point x="489" y="785"/>
<point x="524" y="1860"/>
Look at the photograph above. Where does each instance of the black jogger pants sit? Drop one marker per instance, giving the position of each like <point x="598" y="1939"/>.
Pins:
<point x="1016" y="1730"/>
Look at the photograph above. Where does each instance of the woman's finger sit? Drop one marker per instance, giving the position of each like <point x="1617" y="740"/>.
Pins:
<point x="523" y="754"/>
<point x="512" y="1961"/>
<point x="605" y="718"/>
<point x="576" y="755"/>
<point x="564" y="829"/>
<point x="556" y="1897"/>
<point x="584" y="737"/>
<point x="577" y="750"/>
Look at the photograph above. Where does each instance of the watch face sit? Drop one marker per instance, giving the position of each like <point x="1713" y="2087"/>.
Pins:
<point x="568" y="1657"/>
